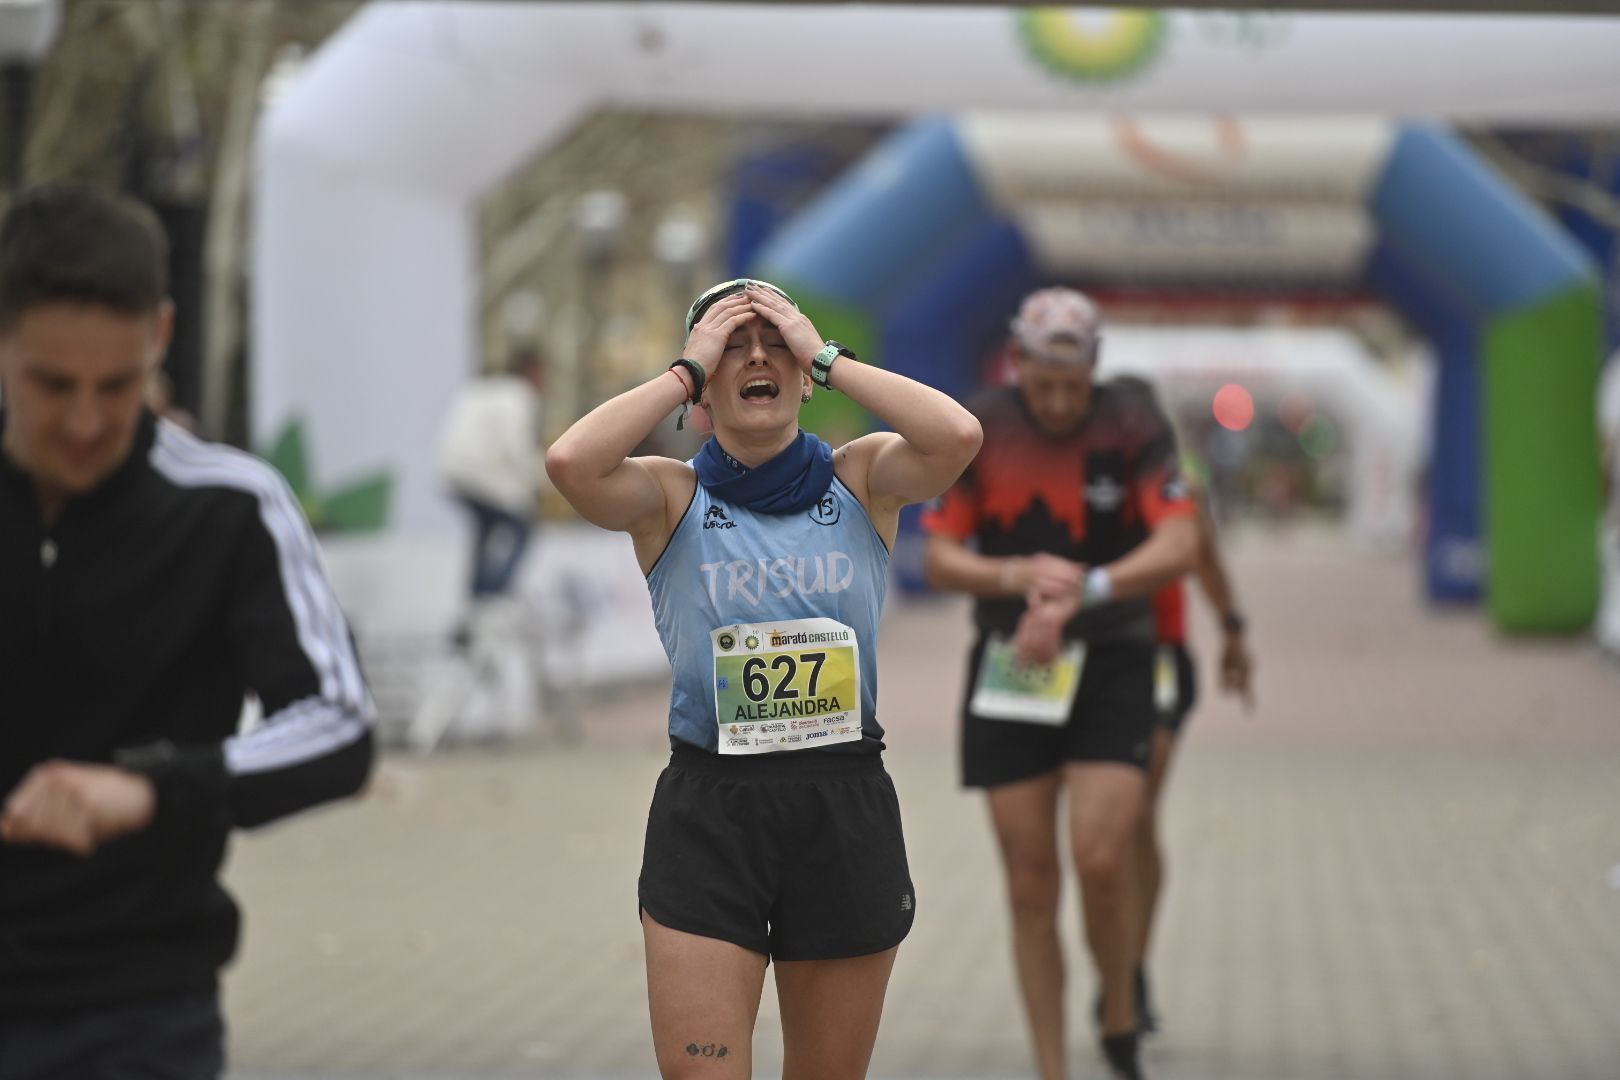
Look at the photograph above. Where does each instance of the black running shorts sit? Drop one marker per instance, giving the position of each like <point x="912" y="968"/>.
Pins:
<point x="1112" y="720"/>
<point x="796" y="855"/>
<point x="1177" y="699"/>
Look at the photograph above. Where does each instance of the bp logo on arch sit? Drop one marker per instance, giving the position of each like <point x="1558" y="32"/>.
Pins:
<point x="1092" y="45"/>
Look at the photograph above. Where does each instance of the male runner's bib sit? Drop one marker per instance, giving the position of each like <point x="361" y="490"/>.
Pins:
<point x="1008" y="689"/>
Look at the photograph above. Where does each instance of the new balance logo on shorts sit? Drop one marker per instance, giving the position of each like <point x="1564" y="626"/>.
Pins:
<point x="905" y="902"/>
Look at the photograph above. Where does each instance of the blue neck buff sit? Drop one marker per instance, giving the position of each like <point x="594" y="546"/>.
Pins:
<point x="791" y="481"/>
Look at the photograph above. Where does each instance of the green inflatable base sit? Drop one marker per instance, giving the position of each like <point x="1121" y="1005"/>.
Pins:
<point x="1543" y="491"/>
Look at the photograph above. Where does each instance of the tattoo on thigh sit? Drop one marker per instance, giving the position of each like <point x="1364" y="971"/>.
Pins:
<point x="708" y="1050"/>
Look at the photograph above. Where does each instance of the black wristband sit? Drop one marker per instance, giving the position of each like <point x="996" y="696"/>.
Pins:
<point x="699" y="376"/>
<point x="1233" y="623"/>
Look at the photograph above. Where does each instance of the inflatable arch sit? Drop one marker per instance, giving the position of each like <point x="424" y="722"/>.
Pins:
<point x="372" y="160"/>
<point x="919" y="253"/>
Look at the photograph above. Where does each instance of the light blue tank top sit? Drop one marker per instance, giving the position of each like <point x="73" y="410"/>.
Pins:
<point x="726" y="565"/>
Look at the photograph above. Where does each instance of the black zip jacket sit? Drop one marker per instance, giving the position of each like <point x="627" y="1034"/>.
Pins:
<point x="130" y="630"/>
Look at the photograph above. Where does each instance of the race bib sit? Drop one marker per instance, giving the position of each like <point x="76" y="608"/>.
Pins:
<point x="786" y="686"/>
<point x="1038" y="694"/>
<point x="1166" y="683"/>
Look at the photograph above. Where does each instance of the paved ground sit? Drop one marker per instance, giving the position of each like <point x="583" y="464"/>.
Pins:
<point x="1406" y="864"/>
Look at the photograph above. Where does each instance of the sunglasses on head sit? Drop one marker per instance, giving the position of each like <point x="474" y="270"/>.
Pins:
<point x="724" y="289"/>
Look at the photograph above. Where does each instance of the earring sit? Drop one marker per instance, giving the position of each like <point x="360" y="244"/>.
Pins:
<point x="804" y="399"/>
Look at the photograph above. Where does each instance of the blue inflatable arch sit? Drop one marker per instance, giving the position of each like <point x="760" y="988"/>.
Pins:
<point x="916" y="260"/>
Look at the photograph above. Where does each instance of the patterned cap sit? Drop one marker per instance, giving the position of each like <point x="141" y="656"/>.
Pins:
<point x="1059" y="326"/>
<point x="724" y="289"/>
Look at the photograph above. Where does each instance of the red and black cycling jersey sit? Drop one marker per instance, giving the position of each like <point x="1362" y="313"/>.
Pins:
<point x="1090" y="496"/>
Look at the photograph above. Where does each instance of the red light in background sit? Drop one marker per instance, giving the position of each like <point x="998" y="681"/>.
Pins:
<point x="1234" y="407"/>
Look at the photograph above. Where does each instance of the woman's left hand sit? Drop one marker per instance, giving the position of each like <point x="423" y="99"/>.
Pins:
<point x="798" y="333"/>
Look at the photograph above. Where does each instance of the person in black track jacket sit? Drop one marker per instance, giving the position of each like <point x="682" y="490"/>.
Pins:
<point x="148" y="581"/>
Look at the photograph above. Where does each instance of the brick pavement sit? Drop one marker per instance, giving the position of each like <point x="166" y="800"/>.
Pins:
<point x="1399" y="867"/>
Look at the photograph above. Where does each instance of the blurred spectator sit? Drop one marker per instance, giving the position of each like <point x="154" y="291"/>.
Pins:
<point x="1609" y="433"/>
<point x="1608" y="628"/>
<point x="1228" y="455"/>
<point x="148" y="582"/>
<point x="490" y="457"/>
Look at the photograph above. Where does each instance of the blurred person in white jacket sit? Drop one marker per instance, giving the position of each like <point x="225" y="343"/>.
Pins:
<point x="490" y="458"/>
<point x="1608" y="621"/>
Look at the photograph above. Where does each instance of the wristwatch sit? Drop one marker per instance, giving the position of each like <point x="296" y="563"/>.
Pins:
<point x="823" y="362"/>
<point x="1097" y="587"/>
<point x="1233" y="623"/>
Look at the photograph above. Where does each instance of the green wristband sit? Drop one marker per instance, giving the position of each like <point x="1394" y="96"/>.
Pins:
<point x="822" y="364"/>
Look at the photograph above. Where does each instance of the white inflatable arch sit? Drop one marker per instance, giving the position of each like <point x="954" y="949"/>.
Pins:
<point x="371" y="163"/>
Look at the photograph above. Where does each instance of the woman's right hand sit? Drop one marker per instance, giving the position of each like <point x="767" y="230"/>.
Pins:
<point x="707" y="342"/>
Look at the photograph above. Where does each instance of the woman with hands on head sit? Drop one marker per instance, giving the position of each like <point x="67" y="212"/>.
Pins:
<point x="774" y="833"/>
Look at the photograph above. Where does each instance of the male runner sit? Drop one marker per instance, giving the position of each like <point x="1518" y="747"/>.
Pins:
<point x="1070" y="519"/>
